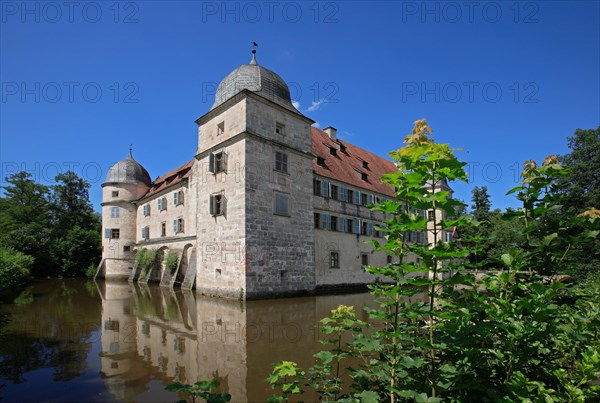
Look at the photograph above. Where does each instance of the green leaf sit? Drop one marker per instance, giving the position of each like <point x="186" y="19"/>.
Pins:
<point x="367" y="396"/>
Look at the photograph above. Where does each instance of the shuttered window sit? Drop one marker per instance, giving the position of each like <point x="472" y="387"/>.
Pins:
<point x="281" y="162"/>
<point x="282" y="204"/>
<point x="217" y="204"/>
<point x="217" y="161"/>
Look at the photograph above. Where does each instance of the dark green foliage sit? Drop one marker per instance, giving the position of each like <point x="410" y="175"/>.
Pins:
<point x="76" y="250"/>
<point x="24" y="219"/>
<point x="581" y="190"/>
<point x="55" y="225"/>
<point x="481" y="203"/>
<point x="582" y="183"/>
<point x="70" y="205"/>
<point x="14" y="271"/>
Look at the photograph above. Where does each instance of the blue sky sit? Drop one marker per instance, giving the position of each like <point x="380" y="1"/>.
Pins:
<point x="505" y="81"/>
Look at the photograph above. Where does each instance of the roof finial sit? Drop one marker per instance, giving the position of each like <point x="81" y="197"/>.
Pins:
<point x="254" y="46"/>
<point x="130" y="150"/>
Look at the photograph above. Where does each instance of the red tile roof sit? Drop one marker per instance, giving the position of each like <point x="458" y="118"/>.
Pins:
<point x="343" y="167"/>
<point x="346" y="165"/>
<point x="170" y="179"/>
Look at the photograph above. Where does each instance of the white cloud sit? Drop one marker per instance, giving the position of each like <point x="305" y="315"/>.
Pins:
<point x="315" y="105"/>
<point x="316" y="124"/>
<point x="296" y="104"/>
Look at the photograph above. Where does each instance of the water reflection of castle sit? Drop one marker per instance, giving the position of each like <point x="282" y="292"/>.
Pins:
<point x="153" y="336"/>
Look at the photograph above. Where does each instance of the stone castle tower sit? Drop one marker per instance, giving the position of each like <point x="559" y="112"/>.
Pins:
<point x="254" y="170"/>
<point x="126" y="182"/>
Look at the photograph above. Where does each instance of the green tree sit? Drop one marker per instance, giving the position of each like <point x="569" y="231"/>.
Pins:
<point x="57" y="226"/>
<point x="581" y="189"/>
<point x="481" y="203"/>
<point x="76" y="251"/>
<point x="75" y="225"/>
<point x="582" y="183"/>
<point x="504" y="235"/>
<point x="70" y="204"/>
<point x="24" y="219"/>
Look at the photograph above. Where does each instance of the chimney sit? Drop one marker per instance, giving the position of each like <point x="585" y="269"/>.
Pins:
<point x="331" y="132"/>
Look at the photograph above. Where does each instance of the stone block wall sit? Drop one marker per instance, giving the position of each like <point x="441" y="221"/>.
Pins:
<point x="221" y="238"/>
<point x="279" y="248"/>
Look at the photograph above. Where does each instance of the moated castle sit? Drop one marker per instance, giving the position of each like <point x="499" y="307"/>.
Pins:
<point x="269" y="205"/>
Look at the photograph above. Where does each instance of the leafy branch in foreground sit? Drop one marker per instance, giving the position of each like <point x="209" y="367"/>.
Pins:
<point x="203" y="389"/>
<point x="440" y="332"/>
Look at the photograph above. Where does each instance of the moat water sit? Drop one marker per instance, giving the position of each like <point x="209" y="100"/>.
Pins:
<point x="76" y="340"/>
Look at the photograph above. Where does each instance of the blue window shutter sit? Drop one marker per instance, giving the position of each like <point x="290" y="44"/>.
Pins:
<point x="175" y="196"/>
<point x="159" y="204"/>
<point x="325" y="188"/>
<point x="175" y="226"/>
<point x="343" y="194"/>
<point x="107" y="233"/>
<point x="370" y="229"/>
<point x="356" y="228"/>
<point x="327" y="219"/>
<point x="371" y="199"/>
<point x="356" y="197"/>
<point x="211" y="202"/>
<point x="342" y="224"/>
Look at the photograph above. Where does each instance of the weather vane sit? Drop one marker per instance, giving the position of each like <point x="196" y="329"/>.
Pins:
<point x="254" y="46"/>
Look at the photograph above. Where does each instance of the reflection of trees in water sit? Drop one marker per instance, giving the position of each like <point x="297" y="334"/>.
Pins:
<point x="51" y="330"/>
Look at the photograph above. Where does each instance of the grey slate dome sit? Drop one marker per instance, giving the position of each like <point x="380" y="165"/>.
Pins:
<point x="128" y="171"/>
<point x="257" y="79"/>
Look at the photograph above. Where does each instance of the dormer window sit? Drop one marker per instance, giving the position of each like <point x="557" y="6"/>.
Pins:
<point x="332" y="150"/>
<point x="363" y="163"/>
<point x="342" y="147"/>
<point x="221" y="128"/>
<point x="279" y="128"/>
<point x="321" y="161"/>
<point x="362" y="175"/>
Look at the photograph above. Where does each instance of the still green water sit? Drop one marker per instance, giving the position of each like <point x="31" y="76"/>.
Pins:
<point x="74" y="340"/>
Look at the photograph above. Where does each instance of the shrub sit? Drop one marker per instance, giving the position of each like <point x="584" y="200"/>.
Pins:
<point x="440" y="333"/>
<point x="171" y="261"/>
<point x="145" y="258"/>
<point x="90" y="272"/>
<point x="14" y="270"/>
